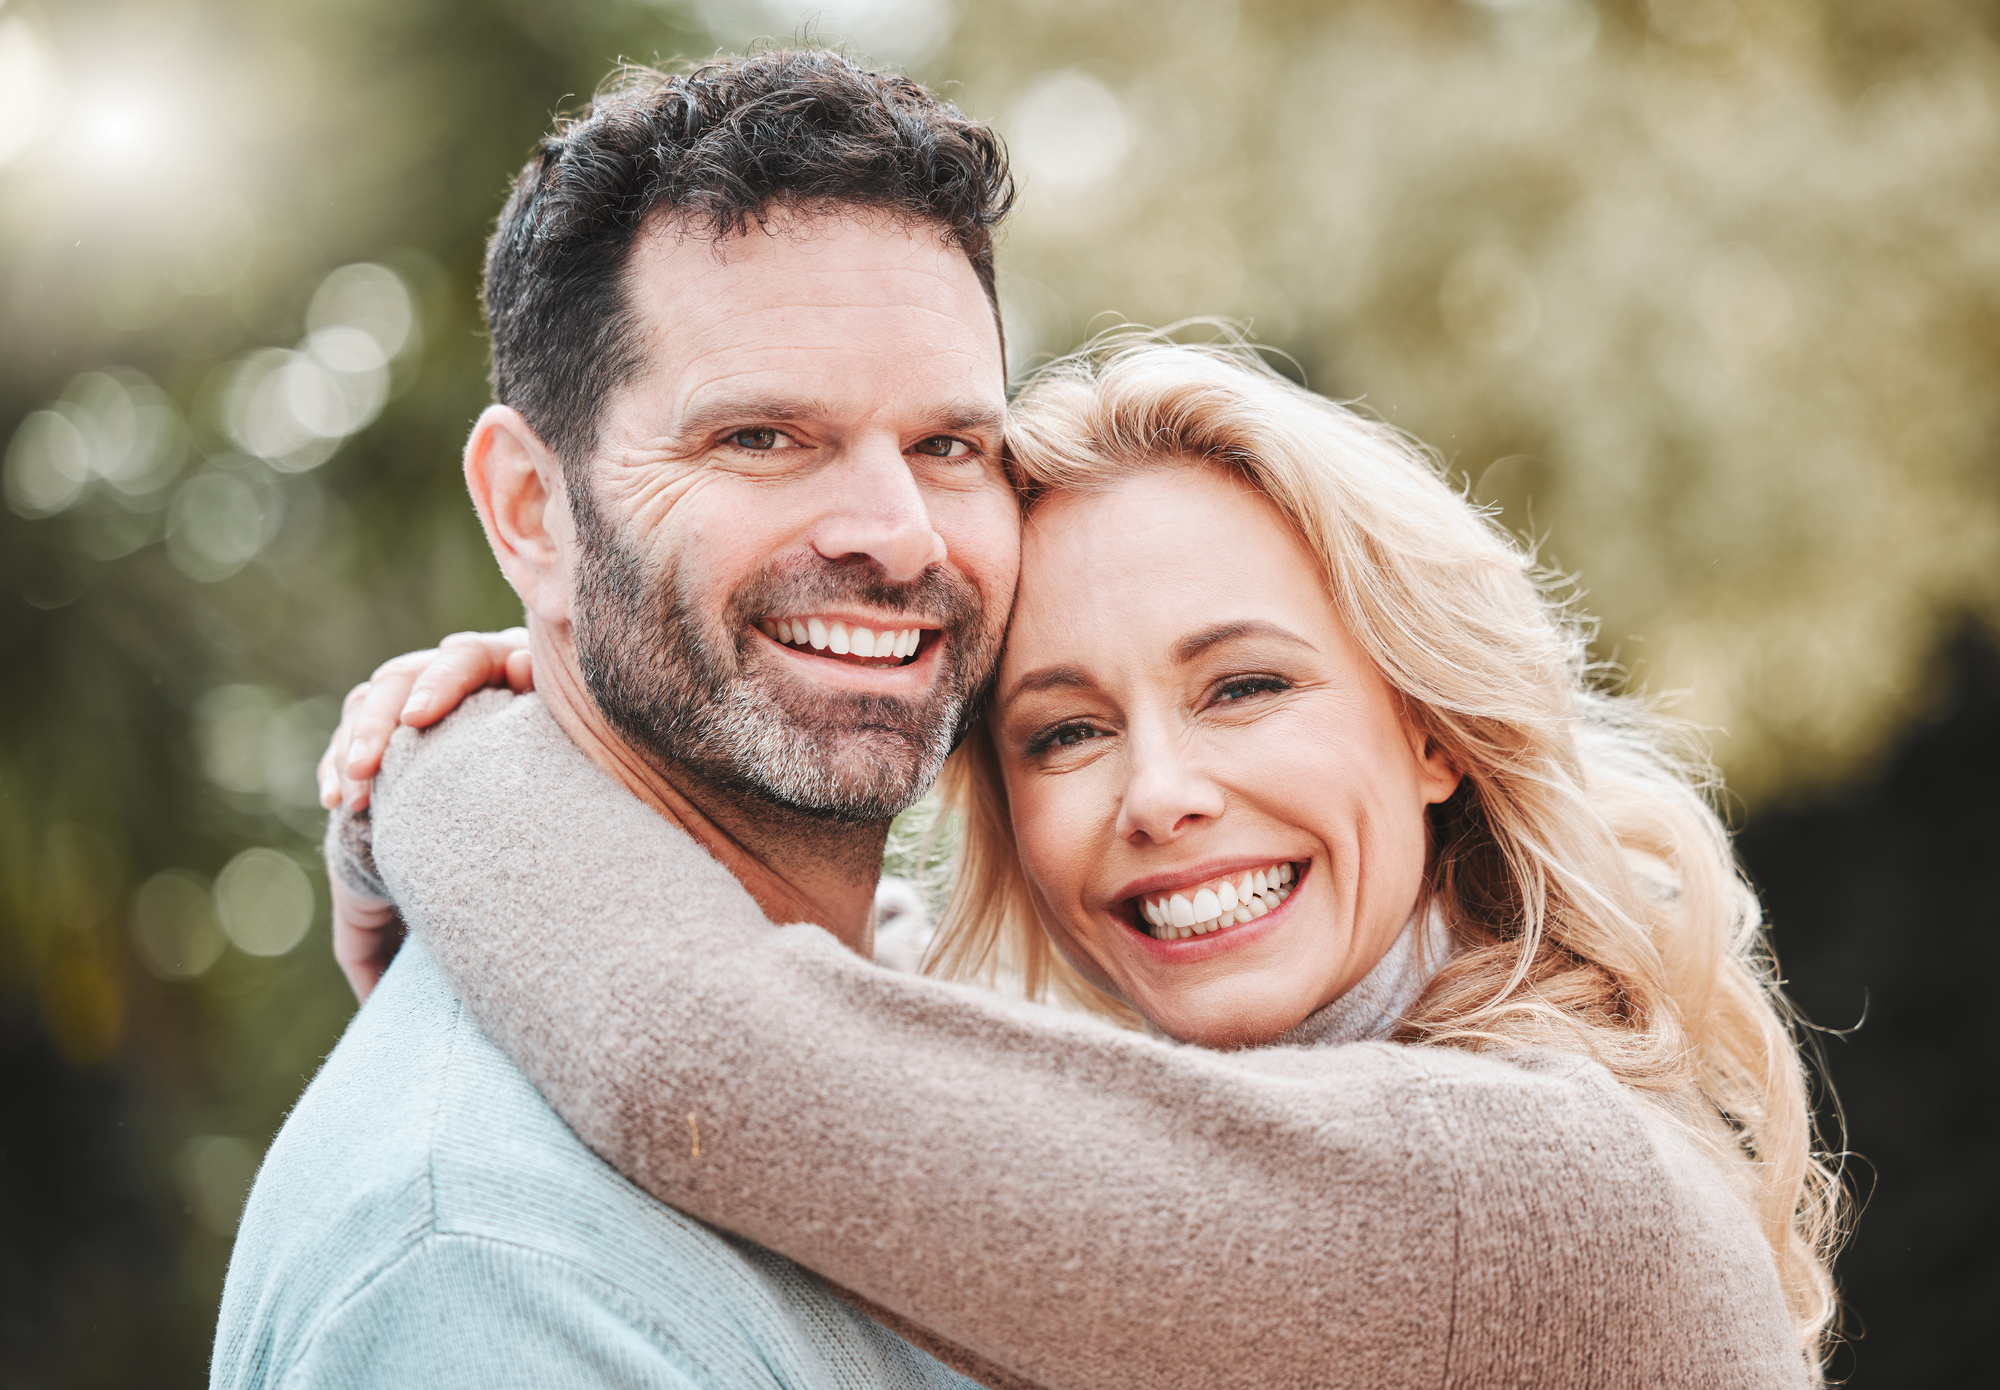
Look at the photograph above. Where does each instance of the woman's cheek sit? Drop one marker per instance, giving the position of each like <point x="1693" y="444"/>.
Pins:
<point x="1061" y="826"/>
<point x="1059" y="856"/>
<point x="1033" y="803"/>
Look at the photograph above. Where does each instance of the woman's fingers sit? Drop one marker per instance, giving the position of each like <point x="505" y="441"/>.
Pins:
<point x="520" y="671"/>
<point x="465" y="662"/>
<point x="336" y="748"/>
<point x="369" y="726"/>
<point x="418" y="689"/>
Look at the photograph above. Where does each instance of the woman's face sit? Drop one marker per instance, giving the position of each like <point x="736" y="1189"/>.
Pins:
<point x="1219" y="807"/>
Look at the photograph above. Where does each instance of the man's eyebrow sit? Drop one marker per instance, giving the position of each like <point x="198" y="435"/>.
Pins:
<point x="746" y="412"/>
<point x="1195" y="643"/>
<point x="1048" y="678"/>
<point x="969" y="417"/>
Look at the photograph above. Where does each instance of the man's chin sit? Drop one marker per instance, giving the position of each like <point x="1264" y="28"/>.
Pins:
<point x="858" y="777"/>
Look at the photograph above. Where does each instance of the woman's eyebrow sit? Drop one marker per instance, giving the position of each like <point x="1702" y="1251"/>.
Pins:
<point x="1194" y="644"/>
<point x="1048" y="678"/>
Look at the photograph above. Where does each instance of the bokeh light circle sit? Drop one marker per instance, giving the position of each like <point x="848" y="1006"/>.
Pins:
<point x="264" y="901"/>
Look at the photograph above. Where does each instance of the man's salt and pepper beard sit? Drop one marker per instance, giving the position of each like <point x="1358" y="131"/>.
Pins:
<point x="685" y="693"/>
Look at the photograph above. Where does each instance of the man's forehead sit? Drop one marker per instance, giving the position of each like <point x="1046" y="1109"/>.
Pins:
<point x="791" y="266"/>
<point x="814" y="310"/>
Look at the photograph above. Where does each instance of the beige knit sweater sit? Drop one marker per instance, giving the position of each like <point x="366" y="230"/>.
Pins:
<point x="1083" y="1207"/>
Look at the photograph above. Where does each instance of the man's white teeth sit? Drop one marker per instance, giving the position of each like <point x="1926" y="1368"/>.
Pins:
<point x="840" y="639"/>
<point x="1241" y="897"/>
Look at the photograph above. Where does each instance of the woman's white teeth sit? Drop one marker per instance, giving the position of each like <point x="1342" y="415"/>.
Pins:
<point x="1240" y="898"/>
<point x="842" y="640"/>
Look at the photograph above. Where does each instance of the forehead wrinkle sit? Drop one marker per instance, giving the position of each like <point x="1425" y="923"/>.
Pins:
<point x="691" y="366"/>
<point x="667" y="270"/>
<point x="800" y="326"/>
<point x="697" y="285"/>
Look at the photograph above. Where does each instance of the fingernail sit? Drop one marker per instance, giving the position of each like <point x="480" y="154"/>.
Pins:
<point x="418" y="705"/>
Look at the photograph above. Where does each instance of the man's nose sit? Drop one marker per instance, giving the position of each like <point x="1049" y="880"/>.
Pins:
<point x="1167" y="793"/>
<point x="878" y="510"/>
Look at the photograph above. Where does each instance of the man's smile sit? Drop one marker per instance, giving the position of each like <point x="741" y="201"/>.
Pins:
<point x="850" y="642"/>
<point x="913" y="674"/>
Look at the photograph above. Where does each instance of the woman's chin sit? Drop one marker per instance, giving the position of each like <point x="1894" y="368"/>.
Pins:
<point x="1221" y="1037"/>
<point x="1227" y="1018"/>
<point x="1287" y="966"/>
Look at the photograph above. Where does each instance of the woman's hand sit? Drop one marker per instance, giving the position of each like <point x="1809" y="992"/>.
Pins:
<point x="417" y="689"/>
<point x="367" y="933"/>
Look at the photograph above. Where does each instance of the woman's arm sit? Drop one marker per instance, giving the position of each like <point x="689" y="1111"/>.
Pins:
<point x="1082" y="1206"/>
<point x="415" y="690"/>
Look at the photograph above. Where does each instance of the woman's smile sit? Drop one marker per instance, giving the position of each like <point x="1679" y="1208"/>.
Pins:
<point x="1211" y="929"/>
<point x="1205" y="904"/>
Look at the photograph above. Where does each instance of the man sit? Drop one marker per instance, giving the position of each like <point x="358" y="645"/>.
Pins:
<point x="748" y="368"/>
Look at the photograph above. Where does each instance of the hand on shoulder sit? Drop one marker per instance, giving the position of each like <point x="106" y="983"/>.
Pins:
<point x="415" y="690"/>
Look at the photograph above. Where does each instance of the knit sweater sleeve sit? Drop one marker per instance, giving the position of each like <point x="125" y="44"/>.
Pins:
<point x="1079" y="1205"/>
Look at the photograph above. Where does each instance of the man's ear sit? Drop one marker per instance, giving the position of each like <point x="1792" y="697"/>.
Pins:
<point x="517" y="486"/>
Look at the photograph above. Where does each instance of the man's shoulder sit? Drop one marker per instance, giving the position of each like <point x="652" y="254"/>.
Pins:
<point x="423" y="1210"/>
<point x="348" y="1182"/>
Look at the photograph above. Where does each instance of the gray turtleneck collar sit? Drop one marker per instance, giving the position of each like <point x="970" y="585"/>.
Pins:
<point x="1371" y="1009"/>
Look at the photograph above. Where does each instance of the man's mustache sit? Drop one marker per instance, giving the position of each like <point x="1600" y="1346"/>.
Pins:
<point x="937" y="597"/>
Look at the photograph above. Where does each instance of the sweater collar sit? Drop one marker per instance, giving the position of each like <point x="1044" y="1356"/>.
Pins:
<point x="1371" y="1010"/>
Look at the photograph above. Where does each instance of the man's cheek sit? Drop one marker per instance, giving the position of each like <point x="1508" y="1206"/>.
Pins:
<point x="645" y="487"/>
<point x="699" y="520"/>
<point x="710" y="572"/>
<point x="982" y="536"/>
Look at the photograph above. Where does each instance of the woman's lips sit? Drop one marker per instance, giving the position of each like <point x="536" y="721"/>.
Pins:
<point x="1215" y="904"/>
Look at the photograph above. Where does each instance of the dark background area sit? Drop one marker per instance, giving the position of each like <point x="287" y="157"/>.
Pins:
<point x="1702" y="295"/>
<point x="1883" y="905"/>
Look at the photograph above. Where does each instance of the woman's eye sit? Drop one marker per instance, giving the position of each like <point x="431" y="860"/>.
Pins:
<point x="1246" y="686"/>
<point x="1063" y="736"/>
<point x="942" y="446"/>
<point x="758" y="439"/>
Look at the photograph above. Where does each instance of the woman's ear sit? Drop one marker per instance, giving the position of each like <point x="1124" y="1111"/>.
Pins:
<point x="517" y="486"/>
<point x="1437" y="777"/>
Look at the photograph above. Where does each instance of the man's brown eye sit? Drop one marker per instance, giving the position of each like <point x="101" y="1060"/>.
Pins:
<point x="755" y="439"/>
<point x="942" y="446"/>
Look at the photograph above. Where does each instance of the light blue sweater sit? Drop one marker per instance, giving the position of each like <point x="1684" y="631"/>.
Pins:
<point x="424" y="1219"/>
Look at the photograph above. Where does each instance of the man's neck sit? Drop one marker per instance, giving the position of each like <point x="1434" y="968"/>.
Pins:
<point x="796" y="868"/>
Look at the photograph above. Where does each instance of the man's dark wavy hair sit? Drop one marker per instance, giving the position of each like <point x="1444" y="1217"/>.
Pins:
<point x="719" y="144"/>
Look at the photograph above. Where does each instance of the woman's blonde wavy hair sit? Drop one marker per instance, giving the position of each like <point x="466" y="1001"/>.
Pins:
<point x="1589" y="887"/>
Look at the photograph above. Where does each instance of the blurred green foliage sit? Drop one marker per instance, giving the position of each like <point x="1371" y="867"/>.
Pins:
<point x="1703" y="294"/>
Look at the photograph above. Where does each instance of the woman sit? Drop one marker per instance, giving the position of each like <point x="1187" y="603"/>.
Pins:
<point x="1287" y="745"/>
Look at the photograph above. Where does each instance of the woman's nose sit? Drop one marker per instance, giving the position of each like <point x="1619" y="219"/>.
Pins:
<point x="1167" y="793"/>
<point x="878" y="510"/>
